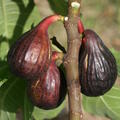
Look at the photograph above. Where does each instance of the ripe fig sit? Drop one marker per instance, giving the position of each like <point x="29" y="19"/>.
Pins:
<point x="30" y="54"/>
<point x="97" y="65"/>
<point x="49" y="90"/>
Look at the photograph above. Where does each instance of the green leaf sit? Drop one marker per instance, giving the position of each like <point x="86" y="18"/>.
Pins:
<point x="13" y="97"/>
<point x="106" y="105"/>
<point x="7" y="116"/>
<point x="40" y="114"/>
<point x="28" y="108"/>
<point x="117" y="57"/>
<point x="10" y="99"/>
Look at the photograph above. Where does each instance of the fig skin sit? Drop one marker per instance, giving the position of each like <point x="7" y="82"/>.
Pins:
<point x="97" y="65"/>
<point x="49" y="90"/>
<point x="30" y="54"/>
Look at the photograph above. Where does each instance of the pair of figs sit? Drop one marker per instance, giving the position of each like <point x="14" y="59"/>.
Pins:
<point x="31" y="58"/>
<point x="97" y="65"/>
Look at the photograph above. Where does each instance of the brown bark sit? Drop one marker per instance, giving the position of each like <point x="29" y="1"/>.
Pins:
<point x="71" y="62"/>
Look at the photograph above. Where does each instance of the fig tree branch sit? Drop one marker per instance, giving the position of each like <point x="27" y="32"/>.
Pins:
<point x="71" y="60"/>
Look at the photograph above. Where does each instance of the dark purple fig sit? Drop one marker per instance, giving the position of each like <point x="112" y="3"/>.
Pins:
<point x="97" y="65"/>
<point x="49" y="90"/>
<point x="30" y="54"/>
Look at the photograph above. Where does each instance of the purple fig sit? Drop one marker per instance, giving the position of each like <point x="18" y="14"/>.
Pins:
<point x="30" y="54"/>
<point x="97" y="65"/>
<point x="49" y="90"/>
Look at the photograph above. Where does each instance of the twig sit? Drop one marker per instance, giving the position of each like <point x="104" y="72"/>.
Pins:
<point x="71" y="60"/>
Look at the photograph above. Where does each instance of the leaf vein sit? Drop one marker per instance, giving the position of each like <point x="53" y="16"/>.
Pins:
<point x="5" y="92"/>
<point x="4" y="17"/>
<point x="108" y="106"/>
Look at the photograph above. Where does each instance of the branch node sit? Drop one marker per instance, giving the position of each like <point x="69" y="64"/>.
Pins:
<point x="77" y="113"/>
<point x="75" y="4"/>
<point x="66" y="18"/>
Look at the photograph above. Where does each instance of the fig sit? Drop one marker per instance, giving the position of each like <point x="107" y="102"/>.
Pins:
<point x="97" y="65"/>
<point x="49" y="90"/>
<point x="30" y="54"/>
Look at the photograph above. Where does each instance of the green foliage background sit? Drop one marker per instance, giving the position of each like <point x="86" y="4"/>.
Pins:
<point x="16" y="17"/>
